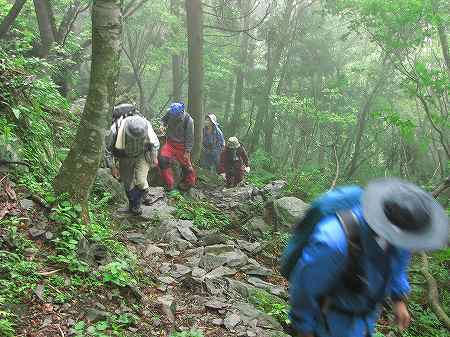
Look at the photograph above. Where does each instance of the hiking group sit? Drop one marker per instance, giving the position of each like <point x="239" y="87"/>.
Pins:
<point x="132" y="148"/>
<point x="348" y="254"/>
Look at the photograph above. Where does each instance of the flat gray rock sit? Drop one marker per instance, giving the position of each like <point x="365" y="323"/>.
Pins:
<point x="217" y="303"/>
<point x="180" y="270"/>
<point x="186" y="233"/>
<point x="235" y="258"/>
<point x="35" y="232"/>
<point x="153" y="250"/>
<point x="166" y="279"/>
<point x="231" y="320"/>
<point x="138" y="238"/>
<point x="249" y="246"/>
<point x="273" y="289"/>
<point x="211" y="261"/>
<point x="26" y="204"/>
<point x="198" y="272"/>
<point x="219" y="249"/>
<point x="220" y="272"/>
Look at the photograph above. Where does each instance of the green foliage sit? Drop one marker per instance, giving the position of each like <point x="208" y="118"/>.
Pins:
<point x="116" y="273"/>
<point x="190" y="333"/>
<point x="66" y="243"/>
<point x="36" y="115"/>
<point x="203" y="214"/>
<point x="308" y="183"/>
<point x="271" y="305"/>
<point x="6" y="327"/>
<point x="113" y="326"/>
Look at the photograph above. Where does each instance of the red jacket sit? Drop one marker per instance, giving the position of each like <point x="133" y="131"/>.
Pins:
<point x="230" y="159"/>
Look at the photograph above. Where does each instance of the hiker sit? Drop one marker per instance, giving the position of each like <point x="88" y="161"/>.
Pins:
<point x="134" y="143"/>
<point x="121" y="110"/>
<point x="233" y="162"/>
<point x="356" y="258"/>
<point x="213" y="143"/>
<point x="179" y="128"/>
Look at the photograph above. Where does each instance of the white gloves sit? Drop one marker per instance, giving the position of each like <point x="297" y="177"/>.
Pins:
<point x="247" y="169"/>
<point x="222" y="175"/>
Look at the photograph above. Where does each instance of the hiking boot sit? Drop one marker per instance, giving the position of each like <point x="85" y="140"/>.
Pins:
<point x="136" y="210"/>
<point x="136" y="201"/>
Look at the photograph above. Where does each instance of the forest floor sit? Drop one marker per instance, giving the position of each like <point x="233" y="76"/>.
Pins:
<point x="62" y="279"/>
<point x="188" y="263"/>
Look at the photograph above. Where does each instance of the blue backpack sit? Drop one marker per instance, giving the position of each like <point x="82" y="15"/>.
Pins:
<point x="335" y="202"/>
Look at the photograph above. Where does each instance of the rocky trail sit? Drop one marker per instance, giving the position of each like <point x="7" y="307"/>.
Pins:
<point x="213" y="280"/>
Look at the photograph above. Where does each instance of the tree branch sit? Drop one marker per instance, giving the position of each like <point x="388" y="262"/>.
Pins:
<point x="241" y="30"/>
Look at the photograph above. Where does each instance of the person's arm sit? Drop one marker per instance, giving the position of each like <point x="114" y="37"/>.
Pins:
<point x="400" y="288"/>
<point x="220" y="139"/>
<point x="314" y="275"/>
<point x="221" y="166"/>
<point x="109" y="145"/>
<point x="244" y="156"/>
<point x="189" y="136"/>
<point x="154" y="144"/>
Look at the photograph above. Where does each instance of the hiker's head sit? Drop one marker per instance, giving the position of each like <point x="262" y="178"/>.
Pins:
<point x="124" y="109"/>
<point x="136" y="128"/>
<point x="176" y="110"/>
<point x="233" y="143"/>
<point x="405" y="215"/>
<point x="211" y="120"/>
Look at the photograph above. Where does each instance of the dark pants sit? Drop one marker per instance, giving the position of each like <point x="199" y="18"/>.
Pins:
<point x="234" y="175"/>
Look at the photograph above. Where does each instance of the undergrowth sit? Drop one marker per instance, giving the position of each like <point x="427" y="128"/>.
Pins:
<point x="203" y="214"/>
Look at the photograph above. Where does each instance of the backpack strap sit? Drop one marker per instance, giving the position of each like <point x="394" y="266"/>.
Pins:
<point x="354" y="278"/>
<point x="350" y="225"/>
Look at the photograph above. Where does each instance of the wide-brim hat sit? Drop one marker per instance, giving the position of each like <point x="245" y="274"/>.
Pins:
<point x="136" y="127"/>
<point x="233" y="143"/>
<point x="433" y="235"/>
<point x="212" y="118"/>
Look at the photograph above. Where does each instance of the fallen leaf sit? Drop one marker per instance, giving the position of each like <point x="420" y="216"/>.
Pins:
<point x="9" y="190"/>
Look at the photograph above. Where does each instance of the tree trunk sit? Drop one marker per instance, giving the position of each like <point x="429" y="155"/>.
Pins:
<point x="11" y="17"/>
<point x="276" y="41"/>
<point x="194" y="22"/>
<point x="45" y="22"/>
<point x="227" y="107"/>
<point x="243" y="52"/>
<point x="176" y="61"/>
<point x="79" y="169"/>
<point x="362" y="119"/>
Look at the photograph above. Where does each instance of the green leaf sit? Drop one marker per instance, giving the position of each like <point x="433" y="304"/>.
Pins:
<point x="16" y="112"/>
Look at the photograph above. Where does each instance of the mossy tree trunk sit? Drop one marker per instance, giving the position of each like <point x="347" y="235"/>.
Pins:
<point x="79" y="169"/>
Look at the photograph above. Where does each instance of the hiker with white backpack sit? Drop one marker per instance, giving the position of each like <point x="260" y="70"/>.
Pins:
<point x="134" y="144"/>
<point x="351" y="252"/>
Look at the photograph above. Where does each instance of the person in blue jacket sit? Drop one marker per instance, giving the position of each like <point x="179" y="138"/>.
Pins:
<point x="395" y="218"/>
<point x="213" y="143"/>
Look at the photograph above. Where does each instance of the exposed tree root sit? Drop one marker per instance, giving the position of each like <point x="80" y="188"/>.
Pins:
<point x="433" y="294"/>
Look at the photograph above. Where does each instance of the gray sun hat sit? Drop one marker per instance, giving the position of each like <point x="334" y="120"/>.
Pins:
<point x="405" y="215"/>
<point x="136" y="127"/>
<point x="213" y="118"/>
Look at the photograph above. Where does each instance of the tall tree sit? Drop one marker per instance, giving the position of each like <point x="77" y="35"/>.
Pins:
<point x="241" y="67"/>
<point x="9" y="19"/>
<point x="176" y="58"/>
<point x="276" y="43"/>
<point x="79" y="169"/>
<point x="46" y="24"/>
<point x="194" y="22"/>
